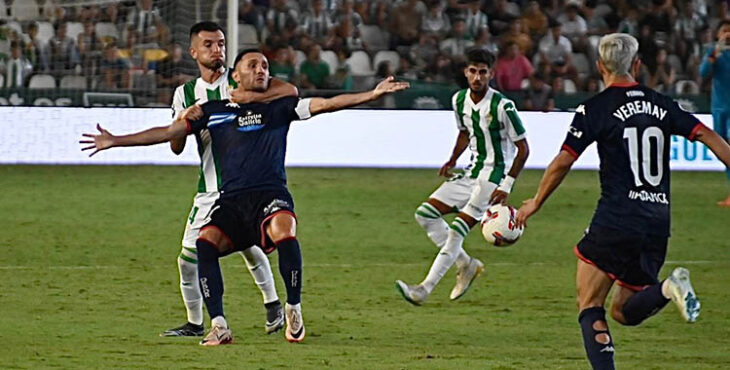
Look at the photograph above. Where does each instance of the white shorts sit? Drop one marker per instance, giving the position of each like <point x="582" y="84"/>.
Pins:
<point x="470" y="196"/>
<point x="202" y="204"/>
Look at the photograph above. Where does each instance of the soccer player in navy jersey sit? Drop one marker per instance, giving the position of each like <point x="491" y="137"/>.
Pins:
<point x="255" y="207"/>
<point x="627" y="239"/>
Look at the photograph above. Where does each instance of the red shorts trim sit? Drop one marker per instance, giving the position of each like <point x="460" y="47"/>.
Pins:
<point x="635" y="288"/>
<point x="264" y="246"/>
<point x="570" y="151"/>
<point x="230" y="242"/>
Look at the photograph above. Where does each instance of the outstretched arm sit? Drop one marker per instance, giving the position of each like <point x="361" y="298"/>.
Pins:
<point x="715" y="142"/>
<point x="554" y="175"/>
<point x="277" y="89"/>
<point x="500" y="194"/>
<point x="387" y="86"/>
<point x="462" y="142"/>
<point x="105" y="140"/>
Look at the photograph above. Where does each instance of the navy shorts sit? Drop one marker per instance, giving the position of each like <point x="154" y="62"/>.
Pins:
<point x="243" y="217"/>
<point x="632" y="259"/>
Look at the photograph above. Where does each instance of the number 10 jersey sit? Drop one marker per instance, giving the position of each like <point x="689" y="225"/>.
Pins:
<point x="632" y="127"/>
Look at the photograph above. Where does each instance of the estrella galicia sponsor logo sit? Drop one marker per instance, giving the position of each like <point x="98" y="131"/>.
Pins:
<point x="250" y="121"/>
<point x="276" y="205"/>
<point x="650" y="197"/>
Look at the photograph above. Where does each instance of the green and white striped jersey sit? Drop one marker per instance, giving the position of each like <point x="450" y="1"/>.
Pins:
<point x="493" y="126"/>
<point x="198" y="91"/>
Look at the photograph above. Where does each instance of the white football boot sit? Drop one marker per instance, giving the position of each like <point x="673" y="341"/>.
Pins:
<point x="415" y="294"/>
<point x="681" y="292"/>
<point x="465" y="276"/>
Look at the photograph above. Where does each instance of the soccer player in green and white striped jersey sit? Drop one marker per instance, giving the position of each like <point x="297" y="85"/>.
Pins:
<point x="490" y="127"/>
<point x="207" y="47"/>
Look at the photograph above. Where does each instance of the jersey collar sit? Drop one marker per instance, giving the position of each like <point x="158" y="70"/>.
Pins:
<point x="217" y="83"/>
<point x="624" y="84"/>
<point x="487" y="97"/>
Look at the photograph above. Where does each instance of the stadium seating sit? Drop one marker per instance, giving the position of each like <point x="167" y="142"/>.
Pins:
<point x="359" y="63"/>
<point x="45" y="32"/>
<point x="106" y="31"/>
<point x="299" y="58"/>
<point x="581" y="64"/>
<point x="569" y="86"/>
<point x="683" y="87"/>
<point x="73" y="82"/>
<point x="24" y="10"/>
<point x="386" y="55"/>
<point x="329" y="57"/>
<point x="73" y="29"/>
<point x="2" y="81"/>
<point x="247" y="36"/>
<point x="373" y="37"/>
<point x="42" y="81"/>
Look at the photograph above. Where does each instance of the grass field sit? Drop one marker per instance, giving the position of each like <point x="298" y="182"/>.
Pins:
<point x="90" y="277"/>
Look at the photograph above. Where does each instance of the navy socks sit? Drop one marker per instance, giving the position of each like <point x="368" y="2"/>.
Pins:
<point x="290" y="267"/>
<point x="210" y="277"/>
<point x="597" y="342"/>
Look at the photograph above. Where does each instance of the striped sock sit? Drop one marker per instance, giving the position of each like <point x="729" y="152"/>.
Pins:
<point x="437" y="229"/>
<point x="447" y="255"/>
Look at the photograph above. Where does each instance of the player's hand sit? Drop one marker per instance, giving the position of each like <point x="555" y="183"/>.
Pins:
<point x="445" y="170"/>
<point x="389" y="85"/>
<point x="104" y="140"/>
<point x="241" y="96"/>
<point x="529" y="207"/>
<point x="193" y="113"/>
<point x="498" y="197"/>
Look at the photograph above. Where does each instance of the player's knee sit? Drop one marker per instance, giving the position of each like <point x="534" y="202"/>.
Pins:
<point x="618" y="315"/>
<point x="426" y="213"/>
<point x="281" y="227"/>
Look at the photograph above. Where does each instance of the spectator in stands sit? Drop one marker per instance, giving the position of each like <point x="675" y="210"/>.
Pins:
<point x="534" y="21"/>
<point x="539" y="96"/>
<point x="170" y="71"/>
<point x="554" y="47"/>
<point x="379" y="14"/>
<point x="511" y="68"/>
<point x="17" y="68"/>
<point x="110" y="14"/>
<point x="456" y="45"/>
<point x="406" y="69"/>
<point x="133" y="50"/>
<point x="89" y="48"/>
<point x="46" y="11"/>
<point x="441" y="70"/>
<point x="475" y="19"/>
<point x="630" y="24"/>
<point x="515" y="34"/>
<point x="424" y="53"/>
<point x="558" y="85"/>
<point x="499" y="18"/>
<point x="661" y="77"/>
<point x="113" y="69"/>
<point x="282" y="65"/>
<point x="574" y="26"/>
<point x="484" y="41"/>
<point x="248" y="13"/>
<point x="659" y="18"/>
<point x="317" y="23"/>
<point x="593" y="85"/>
<point x="716" y="65"/>
<point x="281" y="21"/>
<point x="348" y="23"/>
<point x="35" y="51"/>
<point x="63" y="55"/>
<point x="405" y="23"/>
<point x="313" y="71"/>
<point x="594" y="22"/>
<point x="686" y="28"/>
<point x="341" y="79"/>
<point x="648" y="47"/>
<point x="145" y="19"/>
<point x="435" y="22"/>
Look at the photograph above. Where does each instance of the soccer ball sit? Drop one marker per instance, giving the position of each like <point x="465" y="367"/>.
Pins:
<point x="498" y="226"/>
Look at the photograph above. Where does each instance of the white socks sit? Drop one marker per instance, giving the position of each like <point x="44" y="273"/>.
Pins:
<point x="438" y="230"/>
<point x="219" y="321"/>
<point x="444" y="260"/>
<point x="260" y="268"/>
<point x="189" y="285"/>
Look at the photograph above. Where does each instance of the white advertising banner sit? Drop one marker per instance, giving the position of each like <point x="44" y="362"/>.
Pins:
<point x="350" y="138"/>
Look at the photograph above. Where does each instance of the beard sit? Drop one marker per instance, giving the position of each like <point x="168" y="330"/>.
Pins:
<point x="213" y="65"/>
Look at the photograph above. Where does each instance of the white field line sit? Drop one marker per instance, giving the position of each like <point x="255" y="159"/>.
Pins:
<point x="345" y="265"/>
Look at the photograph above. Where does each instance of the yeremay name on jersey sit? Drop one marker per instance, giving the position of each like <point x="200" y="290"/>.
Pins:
<point x="631" y="108"/>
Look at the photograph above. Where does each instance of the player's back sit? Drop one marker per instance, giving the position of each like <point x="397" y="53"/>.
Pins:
<point x="632" y="127"/>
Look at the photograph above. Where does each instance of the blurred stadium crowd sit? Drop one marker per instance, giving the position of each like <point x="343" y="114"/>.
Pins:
<point x="543" y="48"/>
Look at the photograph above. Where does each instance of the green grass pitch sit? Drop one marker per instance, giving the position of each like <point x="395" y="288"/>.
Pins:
<point x="89" y="277"/>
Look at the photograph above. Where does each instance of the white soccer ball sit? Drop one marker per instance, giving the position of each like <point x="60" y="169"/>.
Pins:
<point x="499" y="227"/>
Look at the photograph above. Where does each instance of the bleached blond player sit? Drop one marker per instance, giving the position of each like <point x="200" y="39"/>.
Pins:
<point x="490" y="127"/>
<point x="207" y="47"/>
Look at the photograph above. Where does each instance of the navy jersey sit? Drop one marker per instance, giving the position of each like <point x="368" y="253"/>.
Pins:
<point x="632" y="126"/>
<point x="249" y="141"/>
